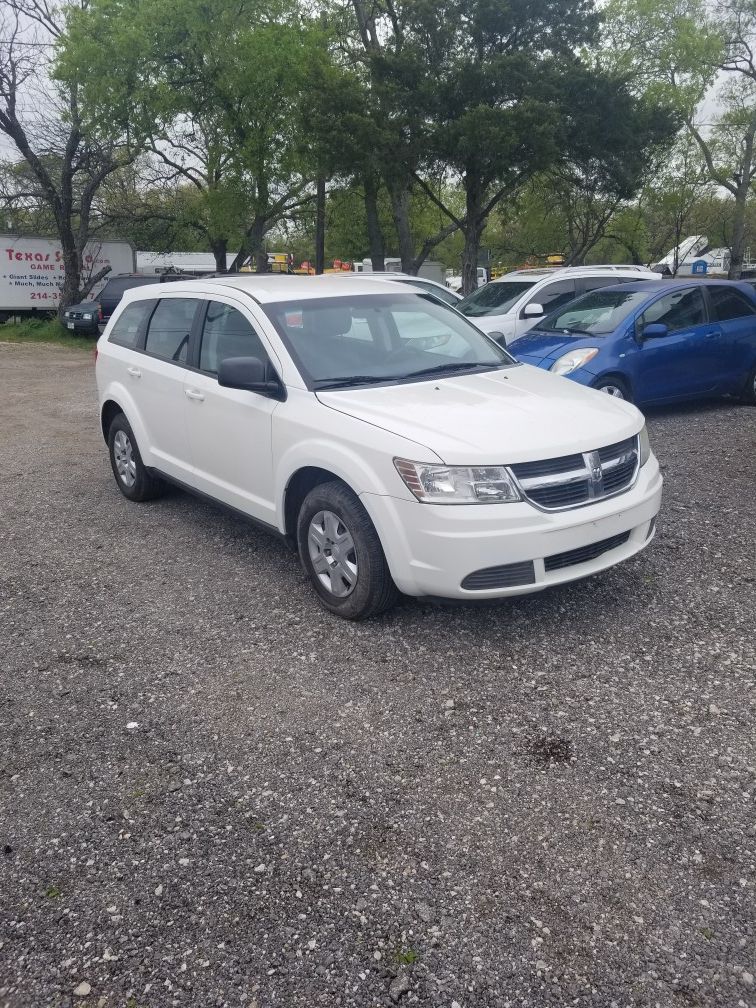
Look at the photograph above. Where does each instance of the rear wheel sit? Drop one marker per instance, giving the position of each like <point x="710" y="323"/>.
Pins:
<point x="614" y="387"/>
<point x="748" y="394"/>
<point x="342" y="554"/>
<point x="134" y="480"/>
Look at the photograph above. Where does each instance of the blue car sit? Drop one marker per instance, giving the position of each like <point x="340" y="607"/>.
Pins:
<point x="652" y="342"/>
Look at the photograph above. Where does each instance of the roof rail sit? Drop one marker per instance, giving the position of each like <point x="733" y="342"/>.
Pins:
<point x="597" y="267"/>
<point x="615" y="266"/>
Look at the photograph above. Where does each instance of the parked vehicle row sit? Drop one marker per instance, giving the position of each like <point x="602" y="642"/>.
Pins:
<point x="507" y="307"/>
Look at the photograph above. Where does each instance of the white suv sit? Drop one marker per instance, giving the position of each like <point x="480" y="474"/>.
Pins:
<point x="394" y="445"/>
<point x="506" y="308"/>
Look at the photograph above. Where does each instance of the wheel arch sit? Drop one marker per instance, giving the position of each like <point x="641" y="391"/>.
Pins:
<point x="620" y="378"/>
<point x="108" y="412"/>
<point x="300" y="483"/>
<point x="116" y="399"/>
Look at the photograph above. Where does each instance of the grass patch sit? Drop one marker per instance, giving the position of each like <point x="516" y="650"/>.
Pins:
<point x="406" y="957"/>
<point x="43" y="331"/>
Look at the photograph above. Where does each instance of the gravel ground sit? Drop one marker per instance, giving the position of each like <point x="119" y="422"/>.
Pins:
<point x="213" y="793"/>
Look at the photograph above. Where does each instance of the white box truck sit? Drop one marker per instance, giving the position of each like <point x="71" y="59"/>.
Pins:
<point x="31" y="271"/>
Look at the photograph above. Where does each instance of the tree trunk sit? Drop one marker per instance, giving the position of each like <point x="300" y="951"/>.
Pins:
<point x="375" y="232"/>
<point x="220" y="249"/>
<point x="320" y="212"/>
<point x="400" y="206"/>
<point x="737" y="247"/>
<point x="473" y="231"/>
<point x="69" y="293"/>
<point x="473" y="234"/>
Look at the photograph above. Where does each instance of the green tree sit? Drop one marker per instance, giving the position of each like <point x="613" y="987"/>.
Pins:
<point x="701" y="55"/>
<point x="509" y="100"/>
<point x="215" y="94"/>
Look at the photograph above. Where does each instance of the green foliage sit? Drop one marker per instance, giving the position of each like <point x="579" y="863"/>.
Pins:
<point x="214" y="92"/>
<point x="670" y="51"/>
<point x="406" y="957"/>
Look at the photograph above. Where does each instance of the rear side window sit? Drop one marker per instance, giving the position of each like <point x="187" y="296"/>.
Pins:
<point x="226" y="333"/>
<point x="730" y="304"/>
<point x="128" y="327"/>
<point x="169" y="329"/>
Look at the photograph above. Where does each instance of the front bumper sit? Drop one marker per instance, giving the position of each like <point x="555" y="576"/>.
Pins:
<point x="431" y="549"/>
<point x="80" y="325"/>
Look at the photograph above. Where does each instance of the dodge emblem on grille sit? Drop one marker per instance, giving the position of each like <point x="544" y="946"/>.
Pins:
<point x="593" y="464"/>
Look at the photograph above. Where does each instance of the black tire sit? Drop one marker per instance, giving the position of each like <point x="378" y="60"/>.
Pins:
<point x="145" y="486"/>
<point x="615" y="383"/>
<point x="373" y="591"/>
<point x="748" y="395"/>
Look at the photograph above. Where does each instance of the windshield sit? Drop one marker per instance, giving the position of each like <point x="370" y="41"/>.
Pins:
<point x="596" y="314"/>
<point x="378" y="338"/>
<point x="495" y="298"/>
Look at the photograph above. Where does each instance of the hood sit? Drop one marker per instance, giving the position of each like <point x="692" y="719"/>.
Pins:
<point x="84" y="306"/>
<point x="519" y="414"/>
<point x="550" y="343"/>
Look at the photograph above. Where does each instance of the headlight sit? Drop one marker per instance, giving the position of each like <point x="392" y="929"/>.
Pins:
<point x="574" y="359"/>
<point x="645" y="446"/>
<point x="86" y="317"/>
<point x="441" y="484"/>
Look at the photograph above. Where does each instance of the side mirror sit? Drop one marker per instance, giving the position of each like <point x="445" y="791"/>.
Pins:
<point x="532" y="310"/>
<point x="249" y="374"/>
<point x="498" y="337"/>
<point x="654" y="330"/>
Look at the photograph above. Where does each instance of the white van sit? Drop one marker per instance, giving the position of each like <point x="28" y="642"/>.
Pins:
<point x="509" y="306"/>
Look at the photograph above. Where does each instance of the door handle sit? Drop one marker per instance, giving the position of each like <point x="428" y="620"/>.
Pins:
<point x="134" y="372"/>
<point x="191" y="393"/>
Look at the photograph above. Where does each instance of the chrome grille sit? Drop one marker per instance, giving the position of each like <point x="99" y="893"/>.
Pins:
<point x="574" y="480"/>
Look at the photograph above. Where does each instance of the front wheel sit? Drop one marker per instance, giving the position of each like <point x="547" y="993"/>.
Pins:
<point x="614" y="387"/>
<point x="342" y="554"/>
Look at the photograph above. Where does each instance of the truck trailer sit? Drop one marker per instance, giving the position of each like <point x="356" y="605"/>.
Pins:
<point x="31" y="271"/>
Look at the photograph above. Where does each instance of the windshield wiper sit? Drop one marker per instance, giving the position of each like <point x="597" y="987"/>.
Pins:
<point x="581" y="332"/>
<point x="459" y="366"/>
<point x="346" y="381"/>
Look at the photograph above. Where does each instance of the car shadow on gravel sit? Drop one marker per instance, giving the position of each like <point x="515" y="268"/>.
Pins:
<point x="693" y="407"/>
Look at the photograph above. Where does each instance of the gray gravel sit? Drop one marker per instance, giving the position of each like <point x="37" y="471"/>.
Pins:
<point x="213" y="793"/>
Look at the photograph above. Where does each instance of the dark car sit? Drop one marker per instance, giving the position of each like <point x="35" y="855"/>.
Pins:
<point x="656" y="342"/>
<point x="87" y="316"/>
